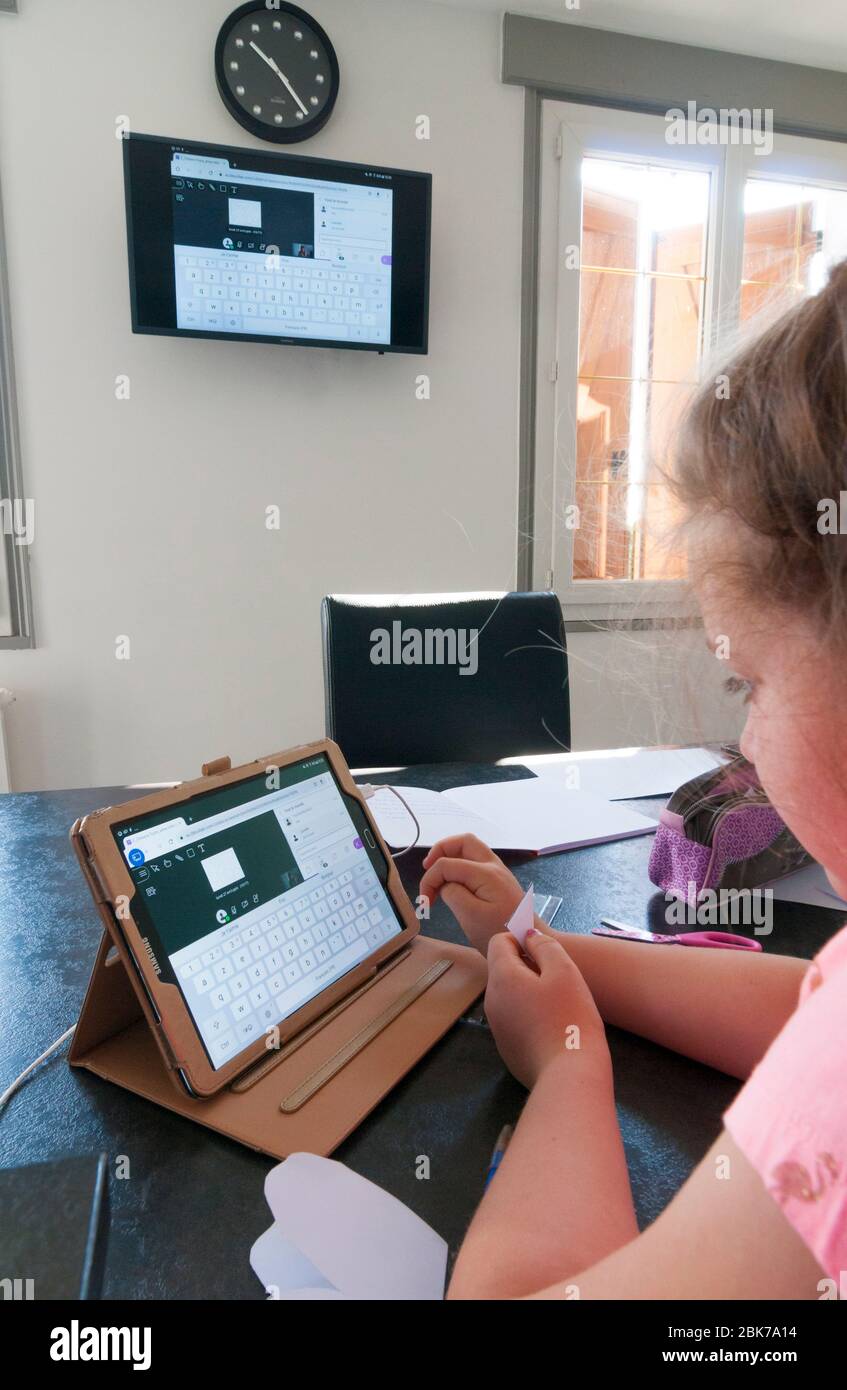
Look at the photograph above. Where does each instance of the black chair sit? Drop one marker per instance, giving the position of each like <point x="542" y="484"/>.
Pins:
<point x="407" y="681"/>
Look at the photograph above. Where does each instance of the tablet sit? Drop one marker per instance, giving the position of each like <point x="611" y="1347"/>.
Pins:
<point x="248" y="902"/>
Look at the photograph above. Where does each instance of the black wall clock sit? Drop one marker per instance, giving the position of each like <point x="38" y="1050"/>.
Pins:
<point x="276" y="71"/>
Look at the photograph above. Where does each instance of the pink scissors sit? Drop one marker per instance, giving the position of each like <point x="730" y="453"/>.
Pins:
<point x="716" y="939"/>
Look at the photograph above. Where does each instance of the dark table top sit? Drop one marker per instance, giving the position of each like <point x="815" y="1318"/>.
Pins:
<point x="190" y="1203"/>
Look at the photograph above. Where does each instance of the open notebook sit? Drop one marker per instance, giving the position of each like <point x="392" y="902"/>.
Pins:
<point x="619" y="773"/>
<point x="532" y="815"/>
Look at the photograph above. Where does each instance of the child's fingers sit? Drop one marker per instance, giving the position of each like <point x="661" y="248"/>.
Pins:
<point x="460" y="847"/>
<point x="504" y="953"/>
<point x="464" y="871"/>
<point x="546" y="953"/>
<point x="459" y="899"/>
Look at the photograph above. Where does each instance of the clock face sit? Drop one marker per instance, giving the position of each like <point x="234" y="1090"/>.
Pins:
<point x="276" y="71"/>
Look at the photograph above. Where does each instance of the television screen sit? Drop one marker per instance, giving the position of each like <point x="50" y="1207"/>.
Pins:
<point x="281" y="248"/>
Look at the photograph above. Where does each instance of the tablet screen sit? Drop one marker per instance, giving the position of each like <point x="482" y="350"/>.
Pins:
<point x="254" y="898"/>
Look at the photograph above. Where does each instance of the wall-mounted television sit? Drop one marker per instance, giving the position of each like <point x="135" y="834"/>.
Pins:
<point x="276" y="248"/>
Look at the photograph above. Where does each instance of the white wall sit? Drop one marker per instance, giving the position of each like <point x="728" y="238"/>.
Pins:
<point x="150" y="513"/>
<point x="630" y="688"/>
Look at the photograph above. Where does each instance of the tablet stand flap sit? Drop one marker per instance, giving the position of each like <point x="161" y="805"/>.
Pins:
<point x="110" y="1003"/>
<point x="345" y="1095"/>
<point x="323" y="1074"/>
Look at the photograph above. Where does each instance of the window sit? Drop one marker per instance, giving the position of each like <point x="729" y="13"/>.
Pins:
<point x="16" y="512"/>
<point x="656" y="252"/>
<point x="642" y="291"/>
<point x="792" y="233"/>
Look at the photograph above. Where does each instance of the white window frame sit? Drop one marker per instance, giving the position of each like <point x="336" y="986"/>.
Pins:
<point x="571" y="132"/>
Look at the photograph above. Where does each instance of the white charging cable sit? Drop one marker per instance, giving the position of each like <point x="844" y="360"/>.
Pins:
<point x="368" y="789"/>
<point x="19" y="1080"/>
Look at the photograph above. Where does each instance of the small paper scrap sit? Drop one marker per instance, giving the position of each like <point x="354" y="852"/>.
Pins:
<point x="522" y="918"/>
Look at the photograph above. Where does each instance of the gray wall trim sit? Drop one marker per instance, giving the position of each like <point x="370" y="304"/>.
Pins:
<point x="529" y="340"/>
<point x="11" y="473"/>
<point x="572" y="62"/>
<point x="11" y="5"/>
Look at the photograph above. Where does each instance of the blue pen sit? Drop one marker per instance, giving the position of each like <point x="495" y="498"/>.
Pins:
<point x="499" y="1149"/>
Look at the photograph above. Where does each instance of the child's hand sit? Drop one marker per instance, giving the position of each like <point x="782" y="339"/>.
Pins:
<point x="539" y="1007"/>
<point x="476" y="886"/>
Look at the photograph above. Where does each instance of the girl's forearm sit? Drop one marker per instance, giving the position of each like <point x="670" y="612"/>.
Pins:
<point x="721" y="1007"/>
<point x="560" y="1200"/>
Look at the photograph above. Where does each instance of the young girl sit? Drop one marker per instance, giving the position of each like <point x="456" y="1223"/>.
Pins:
<point x="764" y="1215"/>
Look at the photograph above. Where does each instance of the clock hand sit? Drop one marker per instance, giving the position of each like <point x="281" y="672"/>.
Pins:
<point x="303" y="108"/>
<point x="281" y="75"/>
<point x="270" y="62"/>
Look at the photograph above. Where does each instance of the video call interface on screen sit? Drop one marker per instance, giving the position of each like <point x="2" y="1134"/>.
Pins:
<point x="261" y="897"/>
<point x="273" y="253"/>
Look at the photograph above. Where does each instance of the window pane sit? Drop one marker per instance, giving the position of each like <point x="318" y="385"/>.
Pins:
<point x="609" y="222"/>
<point x="601" y="543"/>
<point x="676" y="318"/>
<point x="793" y="233"/>
<point x="660" y="558"/>
<point x="606" y="316"/>
<point x="642" y="291"/>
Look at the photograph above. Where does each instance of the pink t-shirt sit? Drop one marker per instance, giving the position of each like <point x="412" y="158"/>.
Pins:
<point x="790" y="1119"/>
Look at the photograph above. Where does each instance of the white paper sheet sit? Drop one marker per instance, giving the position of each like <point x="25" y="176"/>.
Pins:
<point x="807" y="885"/>
<point x="622" y="773"/>
<point x="534" y="814"/>
<point x="531" y="814"/>
<point x="522" y="918"/>
<point x="280" y="1265"/>
<point x="336" y="1235"/>
<point x="439" y="815"/>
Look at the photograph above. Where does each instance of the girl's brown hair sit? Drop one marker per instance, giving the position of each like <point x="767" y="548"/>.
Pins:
<point x="763" y="443"/>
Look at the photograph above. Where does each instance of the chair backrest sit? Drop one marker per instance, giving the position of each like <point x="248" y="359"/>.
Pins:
<point x="444" y="677"/>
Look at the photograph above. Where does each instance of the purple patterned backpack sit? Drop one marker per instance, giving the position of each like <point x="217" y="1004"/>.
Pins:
<point x="720" y="831"/>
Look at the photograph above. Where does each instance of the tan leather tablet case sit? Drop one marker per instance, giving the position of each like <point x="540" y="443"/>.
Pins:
<point x="320" y="1084"/>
